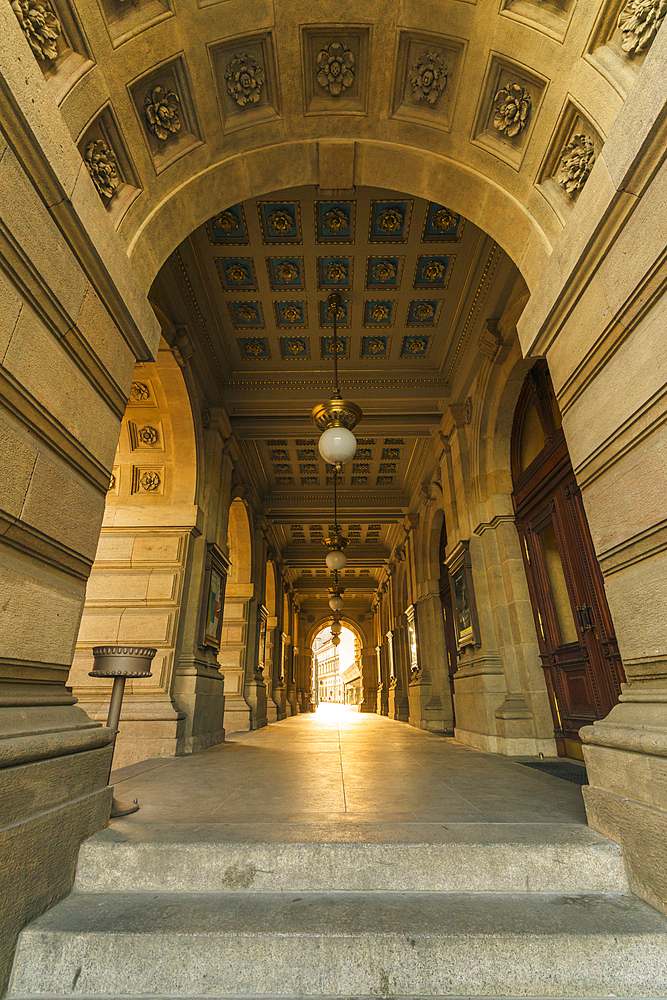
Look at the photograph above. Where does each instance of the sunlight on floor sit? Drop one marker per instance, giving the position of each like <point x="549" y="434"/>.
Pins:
<point x="333" y="710"/>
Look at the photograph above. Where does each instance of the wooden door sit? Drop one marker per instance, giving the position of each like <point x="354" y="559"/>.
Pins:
<point x="575" y="632"/>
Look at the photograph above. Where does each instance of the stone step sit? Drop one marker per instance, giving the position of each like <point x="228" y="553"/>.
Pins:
<point x="468" y="858"/>
<point x="343" y="944"/>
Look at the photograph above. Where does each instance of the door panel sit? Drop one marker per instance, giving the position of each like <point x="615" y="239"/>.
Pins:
<point x="575" y="632"/>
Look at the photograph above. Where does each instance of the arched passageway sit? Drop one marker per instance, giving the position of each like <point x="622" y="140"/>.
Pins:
<point x="539" y="260"/>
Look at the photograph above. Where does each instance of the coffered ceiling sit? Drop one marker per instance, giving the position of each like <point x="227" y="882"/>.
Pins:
<point x="418" y="282"/>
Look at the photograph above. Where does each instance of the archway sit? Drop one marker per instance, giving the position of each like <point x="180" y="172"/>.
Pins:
<point x="239" y="596"/>
<point x="336" y="668"/>
<point x="140" y="582"/>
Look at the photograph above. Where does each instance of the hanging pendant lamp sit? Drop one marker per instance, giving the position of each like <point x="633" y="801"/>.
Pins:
<point x="337" y="417"/>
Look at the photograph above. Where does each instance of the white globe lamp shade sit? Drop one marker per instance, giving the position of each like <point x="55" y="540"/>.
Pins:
<point x="335" y="640"/>
<point x="336" y="602"/>
<point x="337" y="444"/>
<point x="335" y="628"/>
<point x="336" y="559"/>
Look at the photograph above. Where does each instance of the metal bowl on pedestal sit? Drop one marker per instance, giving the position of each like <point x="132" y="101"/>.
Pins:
<point x="121" y="662"/>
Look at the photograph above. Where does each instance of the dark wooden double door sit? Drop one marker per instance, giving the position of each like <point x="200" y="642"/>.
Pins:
<point x="578" y="649"/>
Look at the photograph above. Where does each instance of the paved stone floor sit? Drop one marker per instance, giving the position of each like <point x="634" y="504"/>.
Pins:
<point x="340" y="769"/>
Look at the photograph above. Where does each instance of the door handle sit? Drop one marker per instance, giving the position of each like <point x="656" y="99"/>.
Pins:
<point x="584" y="618"/>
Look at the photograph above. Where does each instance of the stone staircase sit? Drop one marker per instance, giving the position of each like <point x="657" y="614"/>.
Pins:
<point x="474" y="910"/>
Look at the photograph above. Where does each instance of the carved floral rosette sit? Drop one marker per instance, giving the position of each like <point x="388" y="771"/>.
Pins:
<point x="390" y="221"/>
<point x="335" y="221"/>
<point x="102" y="167"/>
<point x="226" y="222"/>
<point x="161" y="112"/>
<point x="245" y="79"/>
<point x="639" y="22"/>
<point x="286" y="271"/>
<point x="39" y="25"/>
<point x="428" y="77"/>
<point x="512" y="107"/>
<point x="576" y="162"/>
<point x="335" y="271"/>
<point x="335" y="68"/>
<point x="384" y="271"/>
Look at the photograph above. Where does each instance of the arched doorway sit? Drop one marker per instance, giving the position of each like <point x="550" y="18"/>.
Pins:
<point x="578" y="649"/>
<point x="235" y="623"/>
<point x="336" y="668"/>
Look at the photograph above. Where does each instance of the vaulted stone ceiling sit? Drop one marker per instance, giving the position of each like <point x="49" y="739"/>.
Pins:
<point x="418" y="284"/>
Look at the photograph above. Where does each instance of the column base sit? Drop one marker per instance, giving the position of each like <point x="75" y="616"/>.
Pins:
<point x="626" y="799"/>
<point x="49" y="807"/>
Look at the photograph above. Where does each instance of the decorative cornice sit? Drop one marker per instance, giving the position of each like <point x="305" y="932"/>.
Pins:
<point x="487" y="276"/>
<point x="494" y="523"/>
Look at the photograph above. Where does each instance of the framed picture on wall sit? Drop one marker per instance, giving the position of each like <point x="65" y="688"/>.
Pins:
<point x="215" y="580"/>
<point x="464" y="608"/>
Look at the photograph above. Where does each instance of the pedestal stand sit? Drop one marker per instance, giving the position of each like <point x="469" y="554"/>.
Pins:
<point x="121" y="662"/>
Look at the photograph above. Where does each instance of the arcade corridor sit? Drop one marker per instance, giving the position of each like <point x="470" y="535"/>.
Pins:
<point x="344" y="768"/>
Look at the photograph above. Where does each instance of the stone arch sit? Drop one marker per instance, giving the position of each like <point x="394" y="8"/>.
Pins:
<point x="138" y="583"/>
<point x="239" y="597"/>
<point x="271" y="643"/>
<point x="366" y="655"/>
<point x="424" y="174"/>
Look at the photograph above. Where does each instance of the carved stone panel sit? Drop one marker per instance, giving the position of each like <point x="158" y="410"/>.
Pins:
<point x="570" y="157"/>
<point x="336" y="68"/>
<point x="148" y="480"/>
<point x="145" y="435"/>
<point x="125" y="19"/>
<point x="163" y="103"/>
<point x="552" y="17"/>
<point x="108" y="162"/>
<point x="245" y="72"/>
<point x="427" y="74"/>
<point x="56" y="39"/>
<point x="621" y="38"/>
<point x="508" y="107"/>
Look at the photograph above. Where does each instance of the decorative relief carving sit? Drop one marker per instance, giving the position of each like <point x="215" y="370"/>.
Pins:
<point x="245" y="78"/>
<point x="424" y="311"/>
<point x="335" y="65"/>
<point x="112" y="482"/>
<point x="639" y="22"/>
<point x="254" y="347"/>
<point x="433" y="270"/>
<point x="280" y="222"/>
<point x="291" y="313"/>
<point x="139" y="391"/>
<point x="416" y="345"/>
<point x="375" y="345"/>
<point x="39" y="25"/>
<point x="287" y="272"/>
<point x="335" y="221"/>
<point x="102" y="167"/>
<point x="162" y="112"/>
<point x="512" y="105"/>
<point x="226" y="222"/>
<point x="379" y="312"/>
<point x="443" y="220"/>
<point x="150" y="481"/>
<point x="246" y="314"/>
<point x="390" y="221"/>
<point x="238" y="273"/>
<point x="148" y="435"/>
<point x="384" y="271"/>
<point x="576" y="162"/>
<point x="428" y="77"/>
<point x="335" y="271"/>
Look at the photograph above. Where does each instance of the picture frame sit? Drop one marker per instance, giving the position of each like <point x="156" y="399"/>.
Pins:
<point x="466" y="622"/>
<point x="215" y="582"/>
